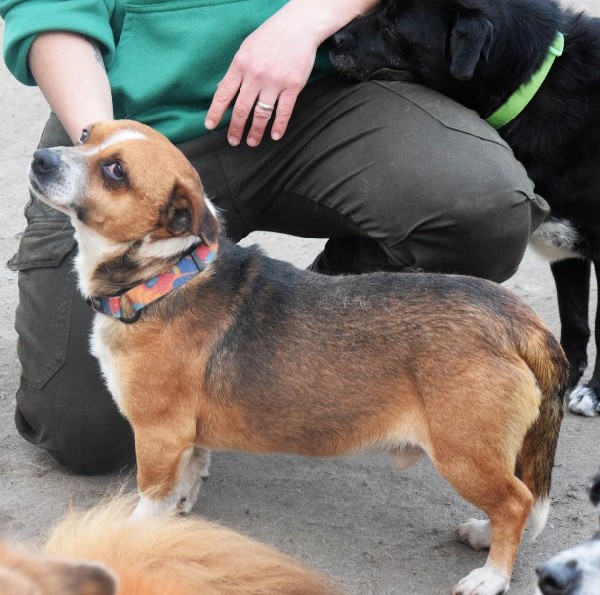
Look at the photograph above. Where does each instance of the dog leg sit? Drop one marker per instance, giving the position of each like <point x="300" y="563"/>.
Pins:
<point x="502" y="532"/>
<point x="584" y="400"/>
<point x="406" y="456"/>
<point x="506" y="501"/>
<point x="169" y="474"/>
<point x="572" y="278"/>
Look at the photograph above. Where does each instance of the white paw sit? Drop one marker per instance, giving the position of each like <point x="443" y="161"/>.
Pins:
<point x="483" y="581"/>
<point x="148" y="508"/>
<point x="584" y="401"/>
<point x="183" y="496"/>
<point x="476" y="532"/>
<point x="188" y="498"/>
<point x="189" y="485"/>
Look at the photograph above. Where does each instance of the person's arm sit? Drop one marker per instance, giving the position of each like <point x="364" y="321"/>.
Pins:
<point x="69" y="71"/>
<point x="274" y="63"/>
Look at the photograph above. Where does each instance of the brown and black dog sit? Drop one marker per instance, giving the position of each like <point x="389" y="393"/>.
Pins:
<point x="104" y="551"/>
<point x="252" y="354"/>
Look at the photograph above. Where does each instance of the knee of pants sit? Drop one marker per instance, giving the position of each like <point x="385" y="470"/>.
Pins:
<point x="493" y="247"/>
<point x="484" y="232"/>
<point x="485" y="239"/>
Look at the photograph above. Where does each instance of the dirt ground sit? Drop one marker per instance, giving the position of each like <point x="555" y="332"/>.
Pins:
<point x="373" y="529"/>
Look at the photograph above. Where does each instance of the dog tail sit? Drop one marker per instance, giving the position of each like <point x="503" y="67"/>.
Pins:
<point x="180" y="555"/>
<point x="543" y="354"/>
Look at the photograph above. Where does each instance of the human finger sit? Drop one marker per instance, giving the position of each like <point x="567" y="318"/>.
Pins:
<point x="285" y="107"/>
<point x="263" y="112"/>
<point x="242" y="110"/>
<point x="226" y="91"/>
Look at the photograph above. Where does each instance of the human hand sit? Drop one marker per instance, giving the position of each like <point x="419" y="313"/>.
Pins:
<point x="267" y="73"/>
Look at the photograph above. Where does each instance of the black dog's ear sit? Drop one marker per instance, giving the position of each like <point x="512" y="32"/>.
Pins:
<point x="471" y="39"/>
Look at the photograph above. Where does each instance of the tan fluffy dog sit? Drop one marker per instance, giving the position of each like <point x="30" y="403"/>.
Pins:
<point x="105" y="551"/>
<point x="252" y="354"/>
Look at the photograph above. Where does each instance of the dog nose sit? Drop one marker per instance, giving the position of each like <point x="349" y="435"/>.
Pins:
<point x="45" y="161"/>
<point x="558" y="578"/>
<point x="341" y="39"/>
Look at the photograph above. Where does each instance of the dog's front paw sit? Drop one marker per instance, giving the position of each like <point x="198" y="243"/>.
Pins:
<point x="583" y="400"/>
<point x="483" y="581"/>
<point x="475" y="532"/>
<point x="175" y="503"/>
<point x="148" y="508"/>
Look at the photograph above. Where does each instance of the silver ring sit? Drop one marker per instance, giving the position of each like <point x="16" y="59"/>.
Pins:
<point x="265" y="106"/>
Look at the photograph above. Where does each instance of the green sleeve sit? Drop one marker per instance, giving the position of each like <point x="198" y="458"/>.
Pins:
<point x="25" y="19"/>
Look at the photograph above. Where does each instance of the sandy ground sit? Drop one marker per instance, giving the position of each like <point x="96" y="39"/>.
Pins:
<point x="373" y="529"/>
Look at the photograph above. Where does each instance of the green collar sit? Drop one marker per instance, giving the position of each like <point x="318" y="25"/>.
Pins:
<point x="518" y="101"/>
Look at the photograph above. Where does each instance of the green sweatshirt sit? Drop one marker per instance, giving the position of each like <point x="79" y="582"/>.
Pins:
<point x="164" y="58"/>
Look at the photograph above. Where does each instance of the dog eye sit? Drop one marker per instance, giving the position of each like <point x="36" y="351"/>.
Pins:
<point x="84" y="135"/>
<point x="114" y="171"/>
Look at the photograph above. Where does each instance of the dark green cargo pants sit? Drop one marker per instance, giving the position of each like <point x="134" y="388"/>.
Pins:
<point x="397" y="176"/>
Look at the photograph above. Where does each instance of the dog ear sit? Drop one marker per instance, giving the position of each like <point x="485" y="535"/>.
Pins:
<point x="42" y="574"/>
<point x="471" y="39"/>
<point x="89" y="578"/>
<point x="188" y="213"/>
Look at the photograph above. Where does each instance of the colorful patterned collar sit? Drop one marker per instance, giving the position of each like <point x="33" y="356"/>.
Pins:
<point x="138" y="297"/>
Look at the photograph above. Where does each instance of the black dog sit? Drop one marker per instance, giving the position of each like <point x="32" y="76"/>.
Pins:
<point x="479" y="52"/>
<point x="575" y="571"/>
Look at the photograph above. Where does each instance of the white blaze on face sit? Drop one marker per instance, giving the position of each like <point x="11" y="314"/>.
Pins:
<point x="70" y="184"/>
<point x="120" y="136"/>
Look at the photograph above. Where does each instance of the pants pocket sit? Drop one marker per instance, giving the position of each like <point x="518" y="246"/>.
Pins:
<point x="46" y="287"/>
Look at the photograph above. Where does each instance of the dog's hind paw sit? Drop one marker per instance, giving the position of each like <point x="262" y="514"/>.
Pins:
<point x="188" y="498"/>
<point x="476" y="532"/>
<point x="194" y="474"/>
<point x="583" y="400"/>
<point x="483" y="581"/>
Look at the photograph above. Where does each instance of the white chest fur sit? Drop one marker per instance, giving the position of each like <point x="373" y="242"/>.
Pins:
<point x="102" y="330"/>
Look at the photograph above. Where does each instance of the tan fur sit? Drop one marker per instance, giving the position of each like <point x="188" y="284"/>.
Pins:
<point x="161" y="556"/>
<point x="454" y="367"/>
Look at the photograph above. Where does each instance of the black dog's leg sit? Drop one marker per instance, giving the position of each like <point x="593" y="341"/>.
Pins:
<point x="584" y="399"/>
<point x="572" y="278"/>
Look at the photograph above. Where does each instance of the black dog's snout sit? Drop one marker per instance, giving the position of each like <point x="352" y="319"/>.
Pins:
<point x="558" y="578"/>
<point x="342" y="39"/>
<point x="45" y="161"/>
